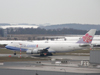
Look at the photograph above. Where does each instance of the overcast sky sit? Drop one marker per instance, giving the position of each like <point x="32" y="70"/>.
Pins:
<point x="50" y="11"/>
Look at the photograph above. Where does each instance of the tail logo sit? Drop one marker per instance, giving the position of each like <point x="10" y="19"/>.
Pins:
<point x="87" y="38"/>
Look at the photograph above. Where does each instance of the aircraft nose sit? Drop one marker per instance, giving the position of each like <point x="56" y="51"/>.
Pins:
<point x="7" y="47"/>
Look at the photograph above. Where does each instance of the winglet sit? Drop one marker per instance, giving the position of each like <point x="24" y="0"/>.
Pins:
<point x="88" y="37"/>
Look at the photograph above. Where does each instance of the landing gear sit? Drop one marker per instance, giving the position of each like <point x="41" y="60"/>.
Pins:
<point x="49" y="54"/>
<point x="46" y="54"/>
<point x="41" y="54"/>
<point x="14" y="52"/>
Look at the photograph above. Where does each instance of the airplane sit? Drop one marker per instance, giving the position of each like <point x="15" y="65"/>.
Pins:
<point x="47" y="48"/>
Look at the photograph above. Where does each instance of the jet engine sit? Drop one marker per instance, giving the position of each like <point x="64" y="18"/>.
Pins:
<point x="34" y="51"/>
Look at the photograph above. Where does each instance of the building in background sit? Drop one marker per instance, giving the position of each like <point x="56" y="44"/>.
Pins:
<point x="3" y="32"/>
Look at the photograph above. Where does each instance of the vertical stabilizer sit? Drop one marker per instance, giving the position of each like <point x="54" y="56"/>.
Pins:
<point x="88" y="37"/>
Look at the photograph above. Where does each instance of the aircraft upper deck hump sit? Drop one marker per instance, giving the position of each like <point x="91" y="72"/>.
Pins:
<point x="88" y="37"/>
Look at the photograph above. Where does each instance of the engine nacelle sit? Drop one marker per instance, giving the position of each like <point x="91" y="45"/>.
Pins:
<point x="35" y="51"/>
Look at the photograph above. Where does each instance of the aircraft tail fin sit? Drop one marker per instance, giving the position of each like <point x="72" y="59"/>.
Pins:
<point x="88" y="37"/>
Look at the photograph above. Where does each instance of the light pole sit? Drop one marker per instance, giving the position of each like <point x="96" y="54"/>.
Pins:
<point x="64" y="70"/>
<point x="20" y="49"/>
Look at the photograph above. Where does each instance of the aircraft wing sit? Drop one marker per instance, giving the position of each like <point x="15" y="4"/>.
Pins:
<point x="40" y="50"/>
<point x="45" y="50"/>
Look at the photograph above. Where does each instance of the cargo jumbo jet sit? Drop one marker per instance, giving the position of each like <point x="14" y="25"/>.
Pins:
<point x="47" y="48"/>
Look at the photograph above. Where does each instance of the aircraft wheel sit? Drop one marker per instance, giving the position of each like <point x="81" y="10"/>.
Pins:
<point x="49" y="54"/>
<point x="41" y="54"/>
<point x="14" y="53"/>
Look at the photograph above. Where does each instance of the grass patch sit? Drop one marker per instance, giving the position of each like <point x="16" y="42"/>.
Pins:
<point x="16" y="59"/>
<point x="69" y="53"/>
<point x="80" y="51"/>
<point x="6" y="51"/>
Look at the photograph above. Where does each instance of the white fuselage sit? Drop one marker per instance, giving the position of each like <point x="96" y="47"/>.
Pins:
<point x="55" y="47"/>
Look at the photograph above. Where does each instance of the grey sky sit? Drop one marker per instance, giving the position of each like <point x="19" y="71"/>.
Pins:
<point x="50" y="11"/>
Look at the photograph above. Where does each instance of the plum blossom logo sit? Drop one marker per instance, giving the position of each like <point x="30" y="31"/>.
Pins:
<point x="87" y="38"/>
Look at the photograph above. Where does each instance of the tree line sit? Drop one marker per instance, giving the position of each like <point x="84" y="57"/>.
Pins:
<point x="45" y="31"/>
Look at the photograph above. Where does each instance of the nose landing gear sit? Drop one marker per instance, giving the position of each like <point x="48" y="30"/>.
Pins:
<point x="14" y="52"/>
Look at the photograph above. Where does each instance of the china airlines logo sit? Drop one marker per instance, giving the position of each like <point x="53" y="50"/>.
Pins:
<point x="20" y="44"/>
<point x="87" y="38"/>
<point x="36" y="45"/>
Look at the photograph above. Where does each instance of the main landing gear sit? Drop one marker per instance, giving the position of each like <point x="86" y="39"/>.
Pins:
<point x="46" y="54"/>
